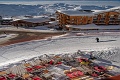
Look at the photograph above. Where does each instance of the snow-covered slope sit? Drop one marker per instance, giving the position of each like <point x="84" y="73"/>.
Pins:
<point x="25" y="50"/>
<point x="43" y="9"/>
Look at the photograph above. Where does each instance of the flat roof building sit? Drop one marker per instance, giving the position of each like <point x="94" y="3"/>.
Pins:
<point x="107" y="18"/>
<point x="5" y="21"/>
<point x="85" y="17"/>
<point x="72" y="17"/>
<point x="31" y="22"/>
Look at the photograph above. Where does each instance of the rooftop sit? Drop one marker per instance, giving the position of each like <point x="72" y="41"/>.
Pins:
<point x="77" y="13"/>
<point x="115" y="9"/>
<point x="36" y="20"/>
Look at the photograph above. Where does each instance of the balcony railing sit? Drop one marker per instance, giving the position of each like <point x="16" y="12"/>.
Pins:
<point x="95" y="19"/>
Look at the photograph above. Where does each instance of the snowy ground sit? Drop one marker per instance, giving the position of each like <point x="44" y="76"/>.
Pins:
<point x="6" y="37"/>
<point x="67" y="44"/>
<point x="35" y="29"/>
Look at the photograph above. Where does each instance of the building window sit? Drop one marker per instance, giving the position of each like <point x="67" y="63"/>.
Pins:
<point x="73" y="19"/>
<point x="80" y="22"/>
<point x="88" y="21"/>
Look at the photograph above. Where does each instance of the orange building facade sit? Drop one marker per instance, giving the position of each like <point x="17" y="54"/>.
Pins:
<point x="84" y="18"/>
<point x="31" y="22"/>
<point x="107" y="18"/>
<point x="74" y="18"/>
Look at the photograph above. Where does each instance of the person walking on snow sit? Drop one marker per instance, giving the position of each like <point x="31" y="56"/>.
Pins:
<point x="97" y="39"/>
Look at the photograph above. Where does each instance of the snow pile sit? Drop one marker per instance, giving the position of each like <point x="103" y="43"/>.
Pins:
<point x="110" y="57"/>
<point x="109" y="54"/>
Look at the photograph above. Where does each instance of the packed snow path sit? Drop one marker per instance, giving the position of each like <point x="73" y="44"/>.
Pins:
<point x="25" y="50"/>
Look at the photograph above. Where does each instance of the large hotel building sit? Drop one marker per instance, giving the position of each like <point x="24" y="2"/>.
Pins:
<point x="86" y="17"/>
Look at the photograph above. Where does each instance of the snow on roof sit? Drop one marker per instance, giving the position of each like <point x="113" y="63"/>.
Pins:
<point x="36" y="20"/>
<point x="102" y="11"/>
<point x="77" y="13"/>
<point x="7" y="18"/>
<point x="93" y="26"/>
<point x="54" y="22"/>
<point x="16" y="18"/>
<point x="98" y="11"/>
<point x="115" y="9"/>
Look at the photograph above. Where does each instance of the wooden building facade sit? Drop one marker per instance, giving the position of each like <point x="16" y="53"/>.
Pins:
<point x="74" y="18"/>
<point x="84" y="18"/>
<point x="5" y="21"/>
<point x="107" y="18"/>
<point x="32" y="22"/>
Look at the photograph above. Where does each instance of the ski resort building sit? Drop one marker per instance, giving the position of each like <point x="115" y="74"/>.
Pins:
<point x="107" y="18"/>
<point x="31" y="22"/>
<point x="5" y="21"/>
<point x="71" y="17"/>
<point x="68" y="19"/>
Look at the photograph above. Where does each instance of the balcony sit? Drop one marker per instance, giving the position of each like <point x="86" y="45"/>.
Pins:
<point x="114" y="23"/>
<point x="111" y="21"/>
<point x="102" y="19"/>
<point x="100" y="23"/>
<point x="67" y="19"/>
<point x="95" y="19"/>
